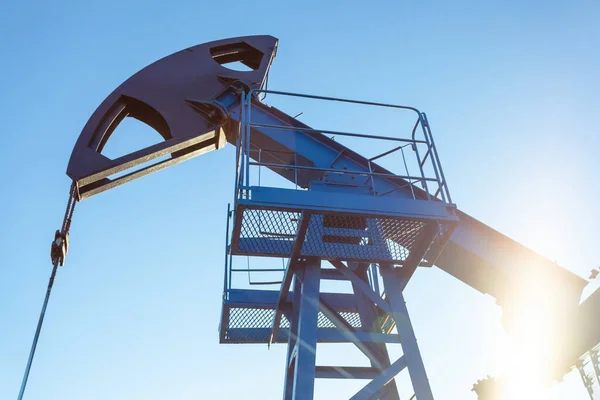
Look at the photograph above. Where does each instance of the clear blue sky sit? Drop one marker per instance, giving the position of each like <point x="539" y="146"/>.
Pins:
<point x="512" y="93"/>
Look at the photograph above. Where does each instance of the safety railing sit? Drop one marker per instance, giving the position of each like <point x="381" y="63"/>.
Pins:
<point x="416" y="150"/>
<point x="429" y="185"/>
<point x="242" y="265"/>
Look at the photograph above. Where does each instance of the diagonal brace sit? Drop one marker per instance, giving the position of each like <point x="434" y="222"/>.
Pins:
<point x="348" y="331"/>
<point x="289" y="273"/>
<point x="362" y="285"/>
<point x="373" y="387"/>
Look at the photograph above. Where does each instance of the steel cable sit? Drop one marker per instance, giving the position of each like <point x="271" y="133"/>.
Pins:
<point x="63" y="233"/>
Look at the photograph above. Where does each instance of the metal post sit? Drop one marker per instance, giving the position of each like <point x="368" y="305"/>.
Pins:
<point x="239" y="161"/>
<point x="226" y="281"/>
<point x="415" y="147"/>
<point x="431" y="149"/>
<point x="393" y="283"/>
<point x="368" y="321"/>
<point x="407" y="173"/>
<point x="306" y="342"/>
<point x="247" y="123"/>
<point x="374" y="275"/>
<point x="290" y="362"/>
<point x="437" y="159"/>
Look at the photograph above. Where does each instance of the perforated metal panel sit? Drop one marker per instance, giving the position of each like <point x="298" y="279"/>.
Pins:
<point x="352" y="318"/>
<point x="253" y="325"/>
<point x="267" y="232"/>
<point x="271" y="232"/>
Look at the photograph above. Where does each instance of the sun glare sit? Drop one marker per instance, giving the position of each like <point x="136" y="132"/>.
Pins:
<point x="527" y="357"/>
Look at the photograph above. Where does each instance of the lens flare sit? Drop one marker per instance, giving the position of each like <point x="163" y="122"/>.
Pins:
<point x="535" y="318"/>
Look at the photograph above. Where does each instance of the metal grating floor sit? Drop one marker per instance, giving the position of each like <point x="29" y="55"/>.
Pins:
<point x="253" y="325"/>
<point x="271" y="232"/>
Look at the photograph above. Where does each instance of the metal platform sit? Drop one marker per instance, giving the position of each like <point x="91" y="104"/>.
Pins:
<point x="339" y="226"/>
<point x="373" y="227"/>
<point x="248" y="316"/>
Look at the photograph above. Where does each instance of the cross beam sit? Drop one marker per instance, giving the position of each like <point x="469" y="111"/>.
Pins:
<point x="307" y="303"/>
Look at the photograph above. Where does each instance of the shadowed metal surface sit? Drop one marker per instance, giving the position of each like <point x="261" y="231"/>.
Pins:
<point x="175" y="96"/>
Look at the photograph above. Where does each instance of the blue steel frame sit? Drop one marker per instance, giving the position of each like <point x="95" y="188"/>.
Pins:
<point x="477" y="256"/>
<point x="305" y="302"/>
<point x="299" y="312"/>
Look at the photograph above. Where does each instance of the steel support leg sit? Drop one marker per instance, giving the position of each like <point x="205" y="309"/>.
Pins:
<point x="290" y="362"/>
<point x="394" y="282"/>
<point x="368" y="318"/>
<point x="303" y="355"/>
<point x="302" y="341"/>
